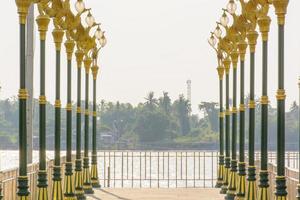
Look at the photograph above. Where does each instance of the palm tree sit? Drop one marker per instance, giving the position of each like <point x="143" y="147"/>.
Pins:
<point x="165" y="103"/>
<point x="151" y="101"/>
<point x="183" y="108"/>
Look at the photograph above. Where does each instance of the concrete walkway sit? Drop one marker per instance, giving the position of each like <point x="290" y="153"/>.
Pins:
<point x="157" y="194"/>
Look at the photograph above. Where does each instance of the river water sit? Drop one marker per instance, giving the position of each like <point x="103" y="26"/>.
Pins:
<point x="145" y="168"/>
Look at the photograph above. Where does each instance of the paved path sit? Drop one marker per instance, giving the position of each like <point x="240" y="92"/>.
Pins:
<point x="157" y="194"/>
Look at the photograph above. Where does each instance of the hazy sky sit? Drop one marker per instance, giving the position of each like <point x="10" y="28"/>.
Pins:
<point x="155" y="46"/>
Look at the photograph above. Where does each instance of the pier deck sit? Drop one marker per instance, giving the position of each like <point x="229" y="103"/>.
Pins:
<point x="157" y="194"/>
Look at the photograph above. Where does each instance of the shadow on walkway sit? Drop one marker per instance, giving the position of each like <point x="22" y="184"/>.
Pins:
<point x="106" y="192"/>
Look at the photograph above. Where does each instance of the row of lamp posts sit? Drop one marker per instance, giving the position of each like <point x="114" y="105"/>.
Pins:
<point x="78" y="35"/>
<point x="231" y="47"/>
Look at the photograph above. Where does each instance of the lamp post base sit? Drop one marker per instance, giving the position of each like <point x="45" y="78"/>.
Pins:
<point x="23" y="192"/>
<point x="94" y="176"/>
<point x="231" y="192"/>
<point x="57" y="193"/>
<point x="251" y="192"/>
<point x="57" y="190"/>
<point x="280" y="192"/>
<point x="220" y="175"/>
<point x="263" y="192"/>
<point x="42" y="193"/>
<point x="224" y="187"/>
<point x="42" y="185"/>
<point x="79" y="192"/>
<point x="87" y="185"/>
<point x="219" y="183"/>
<point x="232" y="181"/>
<point x="1" y="196"/>
<point x="298" y="192"/>
<point x="241" y="187"/>
<point x="68" y="183"/>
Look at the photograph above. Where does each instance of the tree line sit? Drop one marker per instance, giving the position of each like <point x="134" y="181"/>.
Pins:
<point x="157" y="122"/>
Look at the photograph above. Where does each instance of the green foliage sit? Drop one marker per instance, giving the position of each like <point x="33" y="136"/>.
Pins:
<point x="155" y="121"/>
<point x="152" y="126"/>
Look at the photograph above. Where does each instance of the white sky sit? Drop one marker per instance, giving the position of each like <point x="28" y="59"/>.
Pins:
<point x="155" y="46"/>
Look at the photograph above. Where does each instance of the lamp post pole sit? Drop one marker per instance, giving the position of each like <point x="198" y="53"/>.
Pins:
<point x="227" y="63"/>
<point x="43" y="22"/>
<point x="23" y="186"/>
<point x="252" y="36"/>
<point x="1" y="196"/>
<point x="264" y="22"/>
<point x="298" y="186"/>
<point x="212" y="42"/>
<point x="69" y="187"/>
<point x="94" y="169"/>
<point x="281" y="193"/>
<point x="57" y="186"/>
<point x="241" y="188"/>
<point x="78" y="162"/>
<point x="221" y="129"/>
<point x="87" y="185"/>
<point x="233" y="171"/>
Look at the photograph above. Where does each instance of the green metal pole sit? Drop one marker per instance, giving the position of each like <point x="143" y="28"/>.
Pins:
<point x="87" y="185"/>
<point x="221" y="129"/>
<point x="241" y="188"/>
<point x="69" y="185"/>
<point x="94" y="169"/>
<point x="280" y="179"/>
<point x="1" y="196"/>
<point x="224" y="189"/>
<point x="264" y="25"/>
<point x="78" y="162"/>
<point x="57" y="186"/>
<point x="43" y="22"/>
<point x="231" y="193"/>
<point x="281" y="193"/>
<point x="298" y="186"/>
<point x="23" y="186"/>
<point x="251" y="192"/>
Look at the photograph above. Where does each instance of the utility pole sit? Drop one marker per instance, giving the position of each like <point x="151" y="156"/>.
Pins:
<point x="29" y="80"/>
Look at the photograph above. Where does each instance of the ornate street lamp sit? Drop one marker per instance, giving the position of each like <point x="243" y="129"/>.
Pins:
<point x="231" y="38"/>
<point x="252" y="36"/>
<point x="78" y="162"/>
<point x="23" y="186"/>
<point x="227" y="63"/>
<point x="225" y="46"/>
<point x="298" y="186"/>
<point x="87" y="186"/>
<point x="42" y="22"/>
<point x="69" y="186"/>
<point x="281" y="193"/>
<point x="57" y="186"/>
<point x="220" y="69"/>
<point x="88" y="47"/>
<point x="264" y="22"/>
<point x="233" y="172"/>
<point x="99" y="35"/>
<point x="240" y="27"/>
<point x="241" y="186"/>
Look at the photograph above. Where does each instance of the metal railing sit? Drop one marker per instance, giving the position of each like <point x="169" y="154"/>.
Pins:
<point x="150" y="169"/>
<point x="167" y="169"/>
